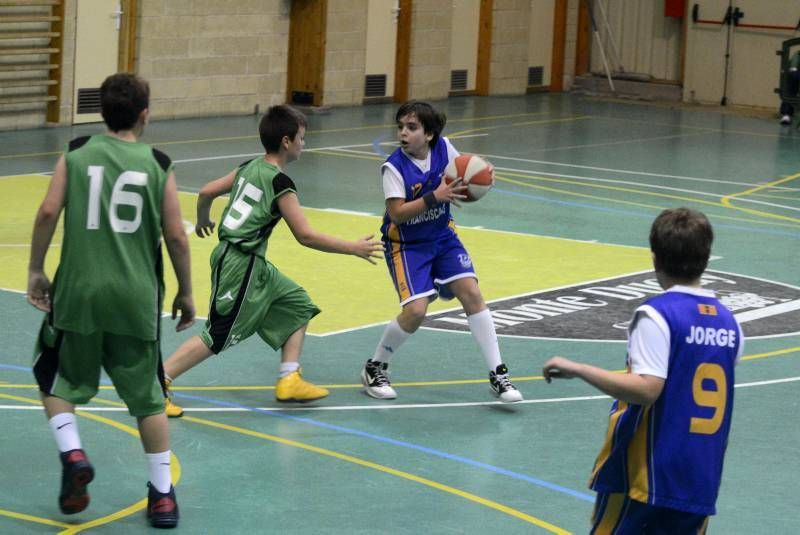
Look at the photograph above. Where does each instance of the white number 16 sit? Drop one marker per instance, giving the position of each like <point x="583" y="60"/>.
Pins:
<point x="119" y="197"/>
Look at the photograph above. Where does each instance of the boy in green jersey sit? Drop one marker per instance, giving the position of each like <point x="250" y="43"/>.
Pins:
<point x="104" y="306"/>
<point x="248" y="294"/>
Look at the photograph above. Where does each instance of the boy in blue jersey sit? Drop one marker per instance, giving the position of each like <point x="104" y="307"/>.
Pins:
<point x="661" y="466"/>
<point x="424" y="255"/>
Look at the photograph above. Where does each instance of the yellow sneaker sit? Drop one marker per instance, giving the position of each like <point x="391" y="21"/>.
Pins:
<point x="171" y="410"/>
<point x="294" y="388"/>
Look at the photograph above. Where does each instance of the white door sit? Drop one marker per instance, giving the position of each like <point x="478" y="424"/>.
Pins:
<point x="464" y="44"/>
<point x="96" y="55"/>
<point x="540" y="43"/>
<point x="381" y="44"/>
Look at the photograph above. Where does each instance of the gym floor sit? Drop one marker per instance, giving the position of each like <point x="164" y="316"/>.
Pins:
<point x="579" y="180"/>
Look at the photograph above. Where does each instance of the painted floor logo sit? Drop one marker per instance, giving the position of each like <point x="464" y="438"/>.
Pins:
<point x="601" y="310"/>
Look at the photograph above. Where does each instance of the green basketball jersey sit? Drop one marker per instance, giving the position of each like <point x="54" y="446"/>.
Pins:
<point x="110" y="277"/>
<point x="252" y="210"/>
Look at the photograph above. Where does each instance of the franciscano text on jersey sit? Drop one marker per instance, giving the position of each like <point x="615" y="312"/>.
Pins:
<point x="428" y="215"/>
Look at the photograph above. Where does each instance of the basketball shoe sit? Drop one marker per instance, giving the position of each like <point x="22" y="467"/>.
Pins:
<point x="162" y="508"/>
<point x="76" y="474"/>
<point x="170" y="408"/>
<point x="294" y="388"/>
<point x="502" y="385"/>
<point x="375" y="379"/>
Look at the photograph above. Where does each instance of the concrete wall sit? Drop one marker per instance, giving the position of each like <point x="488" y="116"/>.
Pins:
<point x="429" y="61"/>
<point x="217" y="57"/>
<point x="508" y="71"/>
<point x="213" y="57"/>
<point x="345" y="52"/>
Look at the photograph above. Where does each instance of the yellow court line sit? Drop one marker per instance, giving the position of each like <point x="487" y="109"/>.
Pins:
<point x="775" y="353"/>
<point x="254" y="136"/>
<point x="71" y="529"/>
<point x="630" y="190"/>
<point x="726" y="200"/>
<point x="454" y="382"/>
<point x="543" y="121"/>
<point x="347" y="154"/>
<point x="385" y="469"/>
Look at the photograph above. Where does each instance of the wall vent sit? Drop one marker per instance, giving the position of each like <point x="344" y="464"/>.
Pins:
<point x="458" y="80"/>
<point x="89" y="100"/>
<point x="375" y="85"/>
<point x="535" y="75"/>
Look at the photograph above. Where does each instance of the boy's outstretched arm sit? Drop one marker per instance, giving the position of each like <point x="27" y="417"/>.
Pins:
<point x="205" y="198"/>
<point x="629" y="387"/>
<point x="178" y="249"/>
<point x="292" y="212"/>
<point x="43" y="228"/>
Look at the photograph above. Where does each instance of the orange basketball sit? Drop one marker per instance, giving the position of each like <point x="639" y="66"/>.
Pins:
<point x="477" y="175"/>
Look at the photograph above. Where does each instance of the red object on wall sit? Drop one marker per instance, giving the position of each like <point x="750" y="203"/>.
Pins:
<point x="674" y="8"/>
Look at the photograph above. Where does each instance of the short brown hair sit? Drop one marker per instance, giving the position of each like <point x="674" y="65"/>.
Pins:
<point x="279" y="121"/>
<point x="680" y="239"/>
<point x="123" y="97"/>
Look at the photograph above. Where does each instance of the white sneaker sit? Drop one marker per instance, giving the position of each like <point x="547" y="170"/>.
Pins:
<point x="786" y="119"/>
<point x="376" y="382"/>
<point x="502" y="387"/>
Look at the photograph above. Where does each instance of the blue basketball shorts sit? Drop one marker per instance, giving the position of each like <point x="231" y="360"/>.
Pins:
<point x="426" y="269"/>
<point x="616" y="514"/>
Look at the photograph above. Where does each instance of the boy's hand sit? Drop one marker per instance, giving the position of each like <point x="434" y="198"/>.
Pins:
<point x="185" y="304"/>
<point x="39" y="290"/>
<point x="204" y="227"/>
<point x="559" y="368"/>
<point x="367" y="248"/>
<point x="452" y="193"/>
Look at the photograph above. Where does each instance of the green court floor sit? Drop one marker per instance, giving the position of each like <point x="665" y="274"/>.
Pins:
<point x="579" y="181"/>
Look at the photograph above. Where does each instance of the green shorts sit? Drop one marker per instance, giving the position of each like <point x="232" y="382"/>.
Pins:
<point x="248" y="296"/>
<point x="67" y="365"/>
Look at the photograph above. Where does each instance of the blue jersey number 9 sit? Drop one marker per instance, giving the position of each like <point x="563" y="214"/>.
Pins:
<point x="716" y="399"/>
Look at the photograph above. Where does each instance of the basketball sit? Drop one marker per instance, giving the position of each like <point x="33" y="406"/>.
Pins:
<point x="477" y="175"/>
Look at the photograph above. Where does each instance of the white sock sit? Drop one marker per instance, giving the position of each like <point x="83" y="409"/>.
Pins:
<point x="393" y="337"/>
<point x="482" y="328"/>
<point x="288" y="368"/>
<point x="160" y="476"/>
<point x="65" y="430"/>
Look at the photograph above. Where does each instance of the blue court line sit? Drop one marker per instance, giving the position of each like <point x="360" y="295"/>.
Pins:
<point x="28" y="369"/>
<point x="376" y="145"/>
<point x="649" y="217"/>
<point x="13" y="367"/>
<point x="394" y="442"/>
<point x="498" y="470"/>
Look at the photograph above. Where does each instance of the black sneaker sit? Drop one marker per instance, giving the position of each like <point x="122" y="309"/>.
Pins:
<point x="502" y="385"/>
<point x="162" y="509"/>
<point x="376" y="382"/>
<point x="76" y="473"/>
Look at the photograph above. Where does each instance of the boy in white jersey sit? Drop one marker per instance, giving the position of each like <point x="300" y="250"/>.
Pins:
<point x="104" y="306"/>
<point x="249" y="294"/>
<point x="661" y="466"/>
<point x="424" y="255"/>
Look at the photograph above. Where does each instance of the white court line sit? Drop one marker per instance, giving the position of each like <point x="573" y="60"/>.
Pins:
<point x="642" y="173"/>
<point x="379" y="407"/>
<point x="646" y="185"/>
